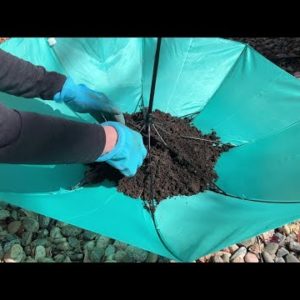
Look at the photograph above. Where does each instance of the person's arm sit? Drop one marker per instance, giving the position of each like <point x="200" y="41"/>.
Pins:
<point x="21" y="78"/>
<point x="33" y="138"/>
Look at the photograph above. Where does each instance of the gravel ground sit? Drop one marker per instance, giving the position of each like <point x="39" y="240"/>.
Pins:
<point x="29" y="237"/>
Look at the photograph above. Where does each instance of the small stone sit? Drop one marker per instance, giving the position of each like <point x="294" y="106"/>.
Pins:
<point x="70" y="230"/>
<point x="4" y="214"/>
<point x="137" y="254"/>
<point x="61" y="224"/>
<point x="251" y="258"/>
<point x="63" y="246"/>
<point x="110" y="250"/>
<point x="297" y="74"/>
<point x="59" y="257"/>
<point x="271" y="248"/>
<point x="238" y="259"/>
<point x="9" y="244"/>
<point x="30" y="224"/>
<point x="43" y="221"/>
<point x="152" y="258"/>
<point x="40" y="252"/>
<point x="96" y="255"/>
<point x="233" y="248"/>
<point x="120" y="245"/>
<point x="1" y="252"/>
<point x="280" y="238"/>
<point x="248" y="243"/>
<point x="267" y="257"/>
<point x="55" y="233"/>
<point x="40" y="242"/>
<point x="294" y="246"/>
<point x="27" y="250"/>
<point x="286" y="230"/>
<point x="279" y="260"/>
<point x="102" y="242"/>
<point x="43" y="233"/>
<point x="13" y="227"/>
<point x="90" y="245"/>
<point x="89" y="235"/>
<point x="122" y="256"/>
<point x="15" y="254"/>
<point x="290" y="258"/>
<point x="59" y="240"/>
<point x="282" y="252"/>
<point x="86" y="256"/>
<point x="73" y="242"/>
<point x="226" y="257"/>
<point x="241" y="252"/>
<point x="14" y="215"/>
<point x="217" y="259"/>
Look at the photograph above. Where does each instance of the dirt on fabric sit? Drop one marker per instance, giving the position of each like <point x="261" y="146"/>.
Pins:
<point x="182" y="160"/>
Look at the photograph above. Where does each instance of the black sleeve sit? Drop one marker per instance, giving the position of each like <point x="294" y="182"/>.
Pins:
<point x="21" y="78"/>
<point x="32" y="138"/>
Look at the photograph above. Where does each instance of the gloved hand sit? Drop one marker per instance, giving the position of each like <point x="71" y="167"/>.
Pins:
<point x="84" y="100"/>
<point x="129" y="152"/>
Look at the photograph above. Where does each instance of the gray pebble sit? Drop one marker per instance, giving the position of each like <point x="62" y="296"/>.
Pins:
<point x="137" y="254"/>
<point x="4" y="214"/>
<point x="9" y="245"/>
<point x="267" y="257"/>
<point x="40" y="242"/>
<point x="90" y="245"/>
<point x="122" y="256"/>
<point x="241" y="252"/>
<point x="30" y="224"/>
<point x="110" y="250"/>
<point x="226" y="257"/>
<point x="40" y="252"/>
<point x="13" y="227"/>
<point x="290" y="258"/>
<point x="14" y="215"/>
<point x="55" y="233"/>
<point x="43" y="221"/>
<point x="217" y="259"/>
<point x="28" y="250"/>
<point x="89" y="235"/>
<point x="247" y="243"/>
<point x="70" y="230"/>
<point x="102" y="242"/>
<point x="282" y="252"/>
<point x="271" y="248"/>
<point x="73" y="242"/>
<point x="294" y="246"/>
<point x="1" y="252"/>
<point x="280" y="237"/>
<point x="152" y="258"/>
<point x="63" y="246"/>
<point x="120" y="245"/>
<point x="67" y="259"/>
<point x="96" y="255"/>
<point x="59" y="240"/>
<point x="279" y="260"/>
<point x="16" y="253"/>
<point x="26" y="238"/>
<point x="59" y="258"/>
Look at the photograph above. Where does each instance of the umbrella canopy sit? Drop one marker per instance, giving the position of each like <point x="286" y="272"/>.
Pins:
<point x="230" y="88"/>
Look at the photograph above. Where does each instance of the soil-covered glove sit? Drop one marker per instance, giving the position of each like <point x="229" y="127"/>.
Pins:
<point x="129" y="152"/>
<point x="84" y="100"/>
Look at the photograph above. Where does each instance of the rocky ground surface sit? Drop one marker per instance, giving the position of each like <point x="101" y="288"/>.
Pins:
<point x="29" y="237"/>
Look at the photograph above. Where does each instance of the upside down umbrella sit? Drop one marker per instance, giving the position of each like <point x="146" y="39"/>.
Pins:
<point x="227" y="86"/>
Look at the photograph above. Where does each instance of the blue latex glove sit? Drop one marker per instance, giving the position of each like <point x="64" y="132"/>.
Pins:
<point x="129" y="152"/>
<point x="84" y="100"/>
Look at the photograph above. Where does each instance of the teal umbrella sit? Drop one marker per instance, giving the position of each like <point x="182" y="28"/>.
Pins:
<point x="227" y="86"/>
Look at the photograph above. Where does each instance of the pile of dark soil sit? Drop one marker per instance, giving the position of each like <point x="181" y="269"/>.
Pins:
<point x="182" y="160"/>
